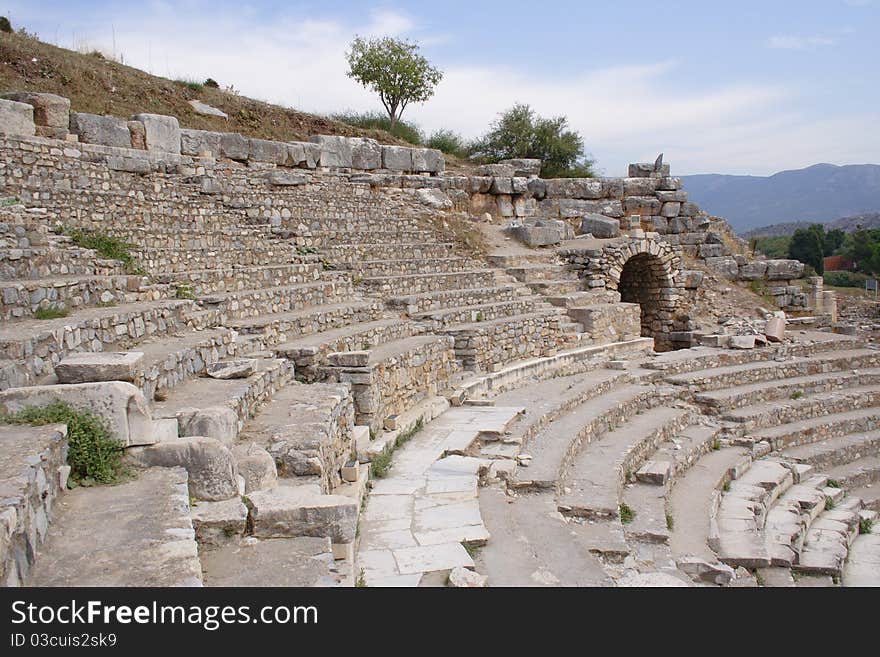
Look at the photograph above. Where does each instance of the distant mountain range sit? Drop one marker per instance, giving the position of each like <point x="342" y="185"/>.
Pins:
<point x="847" y="224"/>
<point x="817" y="194"/>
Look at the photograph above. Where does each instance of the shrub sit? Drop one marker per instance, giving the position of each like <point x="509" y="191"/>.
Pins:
<point x="51" y="313"/>
<point x="5" y="25"/>
<point x="844" y="279"/>
<point x="94" y="454"/>
<point x="106" y="246"/>
<point x="626" y="513"/>
<point x="449" y="142"/>
<point x="212" y="83"/>
<point x="408" y="132"/>
<point x="195" y="85"/>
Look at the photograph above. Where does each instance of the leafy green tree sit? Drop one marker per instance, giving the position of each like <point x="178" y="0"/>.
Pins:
<point x="521" y="133"/>
<point x="395" y="70"/>
<point x="833" y="241"/>
<point x="807" y="245"/>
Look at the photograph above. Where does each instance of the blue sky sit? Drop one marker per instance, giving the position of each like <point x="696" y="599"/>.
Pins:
<point x="726" y="87"/>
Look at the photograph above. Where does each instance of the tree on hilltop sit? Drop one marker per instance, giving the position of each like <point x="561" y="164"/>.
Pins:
<point x="395" y="70"/>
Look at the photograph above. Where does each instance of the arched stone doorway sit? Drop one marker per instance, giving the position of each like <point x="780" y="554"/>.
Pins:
<point x="643" y="279"/>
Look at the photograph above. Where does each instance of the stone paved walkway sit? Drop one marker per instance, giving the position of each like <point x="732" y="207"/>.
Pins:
<point x="418" y="517"/>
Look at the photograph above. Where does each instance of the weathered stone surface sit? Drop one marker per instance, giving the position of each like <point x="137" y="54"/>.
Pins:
<point x="600" y="226"/>
<point x="725" y="265"/>
<point x="265" y="150"/>
<point x="303" y="154"/>
<point x="525" y="167"/>
<point x="573" y="207"/>
<point x="163" y="132"/>
<point x="197" y="142"/>
<point x="775" y="329"/>
<point x="234" y="146"/>
<point x="138" y="134"/>
<point x="752" y="271"/>
<point x="121" y="405"/>
<point x="500" y="170"/>
<point x="234" y="369"/>
<point x="209" y="464"/>
<point x="465" y="578"/>
<point x="207" y="110"/>
<point x="286" y="179"/>
<point x="435" y="198"/>
<point x="49" y="110"/>
<point x="99" y="366"/>
<point x="397" y="158"/>
<point x="17" y="118"/>
<point x="784" y="270"/>
<point x="297" y="562"/>
<point x="219" y="422"/>
<point x="104" y="130"/>
<point x="286" y="512"/>
<point x="742" y="341"/>
<point x="701" y="570"/>
<point x="218" y="523"/>
<point x="349" y="358"/>
<point x="648" y="170"/>
<point x="543" y="232"/>
<point x="366" y="154"/>
<point x="257" y="467"/>
<point x="335" y="151"/>
<point x="576" y="188"/>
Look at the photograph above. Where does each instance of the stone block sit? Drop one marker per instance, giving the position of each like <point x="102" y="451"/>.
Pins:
<point x="428" y="160"/>
<point x="207" y="110"/>
<point x="543" y="232"/>
<point x="774" y="329"/>
<point x="103" y="130"/>
<point x="349" y="358"/>
<point x="209" y="464"/>
<point x="724" y="265"/>
<point x="234" y="146"/>
<point x="49" y="110"/>
<point x="197" y="142"/>
<point x="99" y="366"/>
<point x="219" y="523"/>
<point x="17" y="118"/>
<point x="460" y="577"/>
<point x="257" y="467"/>
<point x="752" y="271"/>
<point x="286" y="179"/>
<point x="366" y="154"/>
<point x="397" y="158"/>
<point x="496" y="170"/>
<point x="525" y="167"/>
<point x="335" y="151"/>
<point x="600" y="226"/>
<point x="265" y="150"/>
<point x="570" y="207"/>
<point x="218" y="422"/>
<point x="163" y="132"/>
<point x="288" y="512"/>
<point x="742" y="341"/>
<point x="236" y="369"/>
<point x="784" y="270"/>
<point x="648" y="170"/>
<point x="501" y="185"/>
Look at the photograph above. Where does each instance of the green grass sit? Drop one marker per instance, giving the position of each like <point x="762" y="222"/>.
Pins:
<point x="726" y="487"/>
<point x="51" y="313"/>
<point x="8" y="201"/>
<point x="184" y="291"/>
<point x="189" y="83"/>
<point x="94" y="455"/>
<point x="627" y="515"/>
<point x="866" y="525"/>
<point x="670" y="522"/>
<point x="361" y="581"/>
<point x="408" y="132"/>
<point x="472" y="550"/>
<point x="833" y="483"/>
<point x="449" y="142"/>
<point x="381" y="463"/>
<point x="829" y="504"/>
<point x="797" y="394"/>
<point x="106" y="246"/>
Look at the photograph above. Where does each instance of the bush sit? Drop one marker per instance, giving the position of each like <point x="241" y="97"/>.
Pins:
<point x="5" y="25"/>
<point x="449" y="142"/>
<point x="844" y="279"/>
<point x="212" y="83"/>
<point x="408" y="132"/>
<point x="94" y="454"/>
<point x="195" y="85"/>
<point x="106" y="246"/>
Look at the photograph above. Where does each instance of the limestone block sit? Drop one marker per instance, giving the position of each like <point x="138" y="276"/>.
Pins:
<point x="304" y="154"/>
<point x="496" y="170"/>
<point x="234" y="146"/>
<point x="701" y="570"/>
<point x="286" y="179"/>
<point x="235" y="369"/>
<point x="711" y="250"/>
<point x="335" y="151"/>
<point x="49" y="110"/>
<point x="196" y="142"/>
<point x="287" y="512"/>
<point x="600" y="226"/>
<point x="104" y="130"/>
<point x="691" y="278"/>
<point x="465" y="578"/>
<point x="17" y="118"/>
<point x="537" y="188"/>
<point x="501" y="185"/>
<point x="99" y="366"/>
<point x="752" y="271"/>
<point x="570" y="207"/>
<point x="207" y="110"/>
<point x="140" y="165"/>
<point x="121" y="405"/>
<point x="256" y="465"/>
<point x="639" y="186"/>
<point x="138" y="134"/>
<point x="784" y="270"/>
<point x="774" y="329"/>
<point x="724" y="265"/>
<point x="366" y="154"/>
<point x="218" y="422"/>
<point x="163" y="132"/>
<point x="219" y="523"/>
<point x="349" y="358"/>
<point x="576" y="188"/>
<point x="544" y="232"/>
<point x="435" y="198"/>
<point x="397" y="158"/>
<point x="670" y="209"/>
<point x="265" y="150"/>
<point x="642" y="205"/>
<point x="208" y="463"/>
<point x="525" y="167"/>
<point x="669" y="184"/>
<point x="648" y="170"/>
<point x="742" y="341"/>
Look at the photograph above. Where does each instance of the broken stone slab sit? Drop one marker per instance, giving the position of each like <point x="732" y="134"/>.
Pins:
<point x="397" y="158"/>
<point x="366" y="154"/>
<point x="724" y="265"/>
<point x="543" y="232"/>
<point x="218" y="422"/>
<point x="431" y="558"/>
<point x="219" y="523"/>
<point x="90" y="367"/>
<point x="234" y="146"/>
<point x="207" y="110"/>
<point x="288" y="511"/>
<point x="234" y="369"/>
<point x="257" y="467"/>
<point x="286" y="179"/>
<point x="103" y="130"/>
<point x="265" y="150"/>
<point x="774" y="329"/>
<point x="742" y="341"/>
<point x="600" y="226"/>
<point x="121" y="405"/>
<point x="701" y="570"/>
<point x="163" y="132"/>
<point x="335" y="151"/>
<point x="784" y="270"/>
<point x="428" y="160"/>
<point x="654" y="472"/>
<point x="349" y="358"/>
<point x="524" y="167"/>
<point x="464" y="578"/>
<point x="17" y="118"/>
<point x="303" y="154"/>
<point x="197" y="143"/>
<point x="209" y="464"/>
<point x="49" y="110"/>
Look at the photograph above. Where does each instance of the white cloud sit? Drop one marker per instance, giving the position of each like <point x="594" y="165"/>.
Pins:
<point x="795" y="42"/>
<point x="625" y="113"/>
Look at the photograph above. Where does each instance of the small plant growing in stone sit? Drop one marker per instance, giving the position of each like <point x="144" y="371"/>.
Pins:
<point x="480" y="316"/>
<point x="670" y="522"/>
<point x="94" y="455"/>
<point x="726" y="487"/>
<point x="51" y="313"/>
<point x="829" y="504"/>
<point x="106" y="246"/>
<point x="716" y="445"/>
<point x="361" y="580"/>
<point x="833" y="483"/>
<point x="105" y="304"/>
<point x="627" y="515"/>
<point x="797" y="394"/>
<point x="184" y="291"/>
<point x="866" y="525"/>
<point x="381" y="463"/>
<point x="9" y="201"/>
<point x="357" y="279"/>
<point x="160" y="396"/>
<point x="472" y="549"/>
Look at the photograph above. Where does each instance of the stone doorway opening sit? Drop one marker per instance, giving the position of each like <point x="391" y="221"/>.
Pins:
<point x="643" y="280"/>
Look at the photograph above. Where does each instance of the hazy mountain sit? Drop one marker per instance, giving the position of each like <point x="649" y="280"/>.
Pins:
<point x="847" y="224"/>
<point x="816" y="194"/>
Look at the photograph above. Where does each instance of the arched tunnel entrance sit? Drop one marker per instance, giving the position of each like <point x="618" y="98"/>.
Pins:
<point x="643" y="280"/>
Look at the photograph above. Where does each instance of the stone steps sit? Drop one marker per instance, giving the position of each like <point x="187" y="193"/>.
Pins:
<point x="835" y="451"/>
<point x="555" y="287"/>
<point x="224" y="279"/>
<point x="461" y="298"/>
<point x="827" y="541"/>
<point x="686" y="448"/>
<point x="281" y="327"/>
<point x="862" y="567"/>
<point x="813" y="430"/>
<point x="160" y="260"/>
<point x="789" y="519"/>
<point x="728" y="399"/>
<point x="558" y="442"/>
<point x="538" y="272"/>
<point x="753" y="372"/>
<point x="649" y="524"/>
<point x="420" y="283"/>
<point x="592" y="486"/>
<point x="479" y="312"/>
<point x="147" y="516"/>
<point x="243" y="396"/>
<point x="310" y="352"/>
<point x="870" y="496"/>
<point x="584" y="299"/>
<point x="33" y="473"/>
<point x="410" y="266"/>
<point x="860" y="472"/>
<point x="38" y="345"/>
<point x="351" y="253"/>
<point x="774" y="413"/>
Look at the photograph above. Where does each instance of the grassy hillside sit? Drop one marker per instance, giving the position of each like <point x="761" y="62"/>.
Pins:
<point x="98" y="85"/>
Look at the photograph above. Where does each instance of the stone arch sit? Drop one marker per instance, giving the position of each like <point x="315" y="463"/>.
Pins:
<point x="643" y="281"/>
